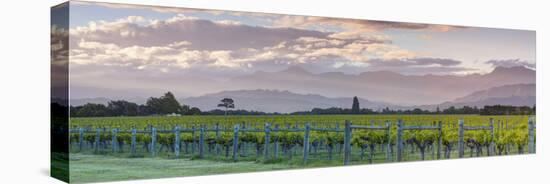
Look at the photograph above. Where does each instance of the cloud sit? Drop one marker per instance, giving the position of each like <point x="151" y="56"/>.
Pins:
<point x="138" y="7"/>
<point x="433" y="70"/>
<point x="418" y="66"/>
<point x="389" y="52"/>
<point x="511" y="63"/>
<point x="59" y="43"/>
<point x="184" y="42"/>
<point x="354" y="28"/>
<point x="421" y="61"/>
<point x="204" y="34"/>
<point x="139" y="57"/>
<point x="177" y="10"/>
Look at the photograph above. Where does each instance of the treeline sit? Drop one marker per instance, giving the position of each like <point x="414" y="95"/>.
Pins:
<point x="508" y="110"/>
<point x="238" y="112"/>
<point x="486" y="110"/>
<point x="337" y="110"/>
<point x="164" y="105"/>
<point x="167" y="105"/>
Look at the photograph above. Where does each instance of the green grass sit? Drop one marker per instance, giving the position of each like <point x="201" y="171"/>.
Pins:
<point x="89" y="167"/>
<point x="98" y="168"/>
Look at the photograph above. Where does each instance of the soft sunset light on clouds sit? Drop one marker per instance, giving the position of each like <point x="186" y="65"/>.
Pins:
<point x="129" y="47"/>
<point x="228" y="41"/>
<point x="136" y="42"/>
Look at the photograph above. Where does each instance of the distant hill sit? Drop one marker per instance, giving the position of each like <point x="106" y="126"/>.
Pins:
<point x="516" y="95"/>
<point x="104" y="101"/>
<point x="296" y="89"/>
<point x="285" y="101"/>
<point x="516" y="90"/>
<point x="276" y="101"/>
<point x="383" y="85"/>
<point x="379" y="86"/>
<point x="82" y="101"/>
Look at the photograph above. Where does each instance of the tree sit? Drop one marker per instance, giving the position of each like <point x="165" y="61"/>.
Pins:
<point x="166" y="104"/>
<point x="154" y="105"/>
<point x="194" y="111"/>
<point x="122" y="108"/>
<point x="92" y="110"/>
<point x="185" y="109"/>
<point x="170" y="104"/>
<point x="144" y="110"/>
<point x="227" y="103"/>
<point x="417" y="111"/>
<point x="355" y="109"/>
<point x="506" y="110"/>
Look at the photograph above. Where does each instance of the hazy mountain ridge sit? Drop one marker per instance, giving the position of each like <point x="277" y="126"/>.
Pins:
<point x="376" y="90"/>
<point x="105" y="101"/>
<point x="385" y="86"/>
<point x="515" y="95"/>
<point x="277" y="101"/>
<point x="519" y="90"/>
<point x="286" y="101"/>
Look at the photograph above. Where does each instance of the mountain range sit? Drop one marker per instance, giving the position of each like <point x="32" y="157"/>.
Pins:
<point x="285" y="101"/>
<point x="277" y="101"/>
<point x="515" y="95"/>
<point x="296" y="89"/>
<point x="384" y="86"/>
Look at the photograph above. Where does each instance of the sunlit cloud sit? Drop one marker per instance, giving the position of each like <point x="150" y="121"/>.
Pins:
<point x="184" y="42"/>
<point x="511" y="63"/>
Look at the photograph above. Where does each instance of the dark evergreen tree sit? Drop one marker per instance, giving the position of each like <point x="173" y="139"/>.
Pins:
<point x="355" y="109"/>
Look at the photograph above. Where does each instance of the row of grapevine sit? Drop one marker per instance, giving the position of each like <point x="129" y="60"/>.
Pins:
<point x="164" y="122"/>
<point x="322" y="142"/>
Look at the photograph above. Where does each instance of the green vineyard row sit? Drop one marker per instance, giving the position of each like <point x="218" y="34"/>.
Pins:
<point x="329" y="132"/>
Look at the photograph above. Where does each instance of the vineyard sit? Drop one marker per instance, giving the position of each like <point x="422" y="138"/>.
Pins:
<point x="306" y="139"/>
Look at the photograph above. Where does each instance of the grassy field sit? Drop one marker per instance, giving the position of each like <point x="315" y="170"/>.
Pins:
<point x="98" y="168"/>
<point x="86" y="167"/>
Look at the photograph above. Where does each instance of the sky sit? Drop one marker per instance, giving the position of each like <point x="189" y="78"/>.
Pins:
<point x="158" y="44"/>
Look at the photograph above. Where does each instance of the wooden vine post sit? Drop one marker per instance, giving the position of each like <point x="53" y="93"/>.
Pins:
<point x="267" y="140"/>
<point x="97" y="137"/>
<point x="388" y="146"/>
<point x="439" y="139"/>
<point x="347" y="142"/>
<point x="306" y="143"/>
<point x="460" y="138"/>
<point x="177" y="141"/>
<point x="114" y="140"/>
<point x="201" y="142"/>
<point x="153" y="141"/>
<point x="276" y="143"/>
<point x="399" y="140"/>
<point x="80" y="138"/>
<point x="193" y="137"/>
<point x="133" y="142"/>
<point x="491" y="150"/>
<point x="531" y="136"/>
<point x="218" y="149"/>
<point x="235" y="141"/>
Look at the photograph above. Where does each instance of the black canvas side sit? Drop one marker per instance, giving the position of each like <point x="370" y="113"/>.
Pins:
<point x="59" y="112"/>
